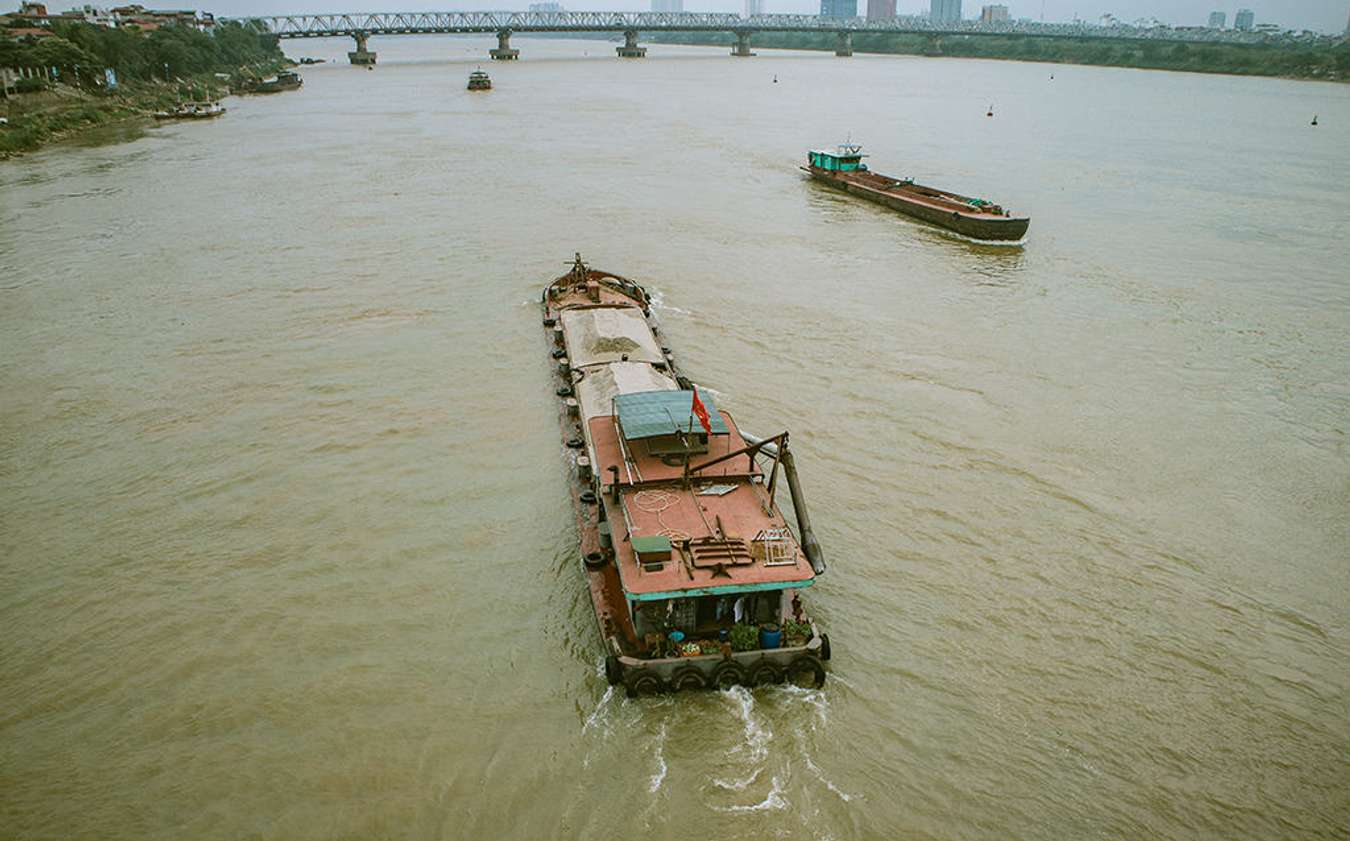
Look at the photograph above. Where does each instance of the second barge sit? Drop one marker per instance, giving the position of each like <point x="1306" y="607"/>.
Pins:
<point x="695" y="575"/>
<point x="976" y="218"/>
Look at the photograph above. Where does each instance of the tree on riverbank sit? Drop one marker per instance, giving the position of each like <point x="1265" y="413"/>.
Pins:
<point x="144" y="63"/>
<point x="134" y="55"/>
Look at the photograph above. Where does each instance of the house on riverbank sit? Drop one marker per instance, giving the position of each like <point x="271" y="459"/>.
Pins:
<point x="35" y="15"/>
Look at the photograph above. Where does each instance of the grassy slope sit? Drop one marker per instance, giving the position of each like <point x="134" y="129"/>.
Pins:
<point x="38" y="118"/>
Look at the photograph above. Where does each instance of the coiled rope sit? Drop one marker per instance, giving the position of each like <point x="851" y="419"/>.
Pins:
<point x="657" y="502"/>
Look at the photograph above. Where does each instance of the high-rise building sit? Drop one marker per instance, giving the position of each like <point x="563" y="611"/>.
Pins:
<point x="1217" y="19"/>
<point x="945" y="11"/>
<point x="1244" y="20"/>
<point x="753" y="7"/>
<point x="881" y="9"/>
<point x="548" y="7"/>
<point x="994" y="14"/>
<point x="839" y="8"/>
<point x="667" y="5"/>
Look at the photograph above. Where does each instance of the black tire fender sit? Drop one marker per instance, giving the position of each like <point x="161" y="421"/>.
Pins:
<point x="594" y="560"/>
<point x="727" y="675"/>
<point x="764" y="673"/>
<point x="613" y="670"/>
<point x="824" y="646"/>
<point x="688" y="677"/>
<point x="804" y="665"/>
<point x="643" y="682"/>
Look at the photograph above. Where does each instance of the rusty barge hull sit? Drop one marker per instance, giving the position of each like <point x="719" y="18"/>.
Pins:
<point x="929" y="204"/>
<point x="605" y="349"/>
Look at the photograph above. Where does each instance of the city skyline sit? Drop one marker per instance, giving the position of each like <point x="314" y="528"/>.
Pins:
<point x="1329" y="16"/>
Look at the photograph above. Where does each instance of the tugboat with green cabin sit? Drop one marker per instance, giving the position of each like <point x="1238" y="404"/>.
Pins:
<point x="479" y="81"/>
<point x="842" y="168"/>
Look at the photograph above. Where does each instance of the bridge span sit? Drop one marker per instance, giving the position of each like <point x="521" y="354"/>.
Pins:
<point x="360" y="26"/>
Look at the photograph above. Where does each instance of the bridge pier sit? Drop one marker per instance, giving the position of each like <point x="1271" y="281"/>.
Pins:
<point x="742" y="47"/>
<point x="630" y="48"/>
<point x="361" y="55"/>
<point x="843" y="44"/>
<point x="503" y="52"/>
<point x="934" y="47"/>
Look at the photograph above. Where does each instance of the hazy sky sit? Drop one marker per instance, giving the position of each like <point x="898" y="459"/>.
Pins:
<point x="1323" y="15"/>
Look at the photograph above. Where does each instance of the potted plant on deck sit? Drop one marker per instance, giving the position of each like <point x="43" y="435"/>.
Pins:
<point x="744" y="638"/>
<point x="796" y="634"/>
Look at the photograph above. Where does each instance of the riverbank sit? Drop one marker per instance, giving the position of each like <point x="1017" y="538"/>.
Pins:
<point x="62" y="111"/>
<point x="155" y="70"/>
<point x="1321" y="63"/>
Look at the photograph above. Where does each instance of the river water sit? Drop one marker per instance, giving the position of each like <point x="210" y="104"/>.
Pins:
<point x="286" y="549"/>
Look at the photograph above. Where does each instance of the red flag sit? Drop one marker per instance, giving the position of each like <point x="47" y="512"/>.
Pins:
<point x="701" y="412"/>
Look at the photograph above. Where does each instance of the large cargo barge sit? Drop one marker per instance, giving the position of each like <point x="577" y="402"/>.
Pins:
<point x="695" y="574"/>
<point x="843" y="169"/>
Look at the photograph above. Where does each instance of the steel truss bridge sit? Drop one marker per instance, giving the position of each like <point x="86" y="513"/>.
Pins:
<point x="410" y="23"/>
<point x="363" y="25"/>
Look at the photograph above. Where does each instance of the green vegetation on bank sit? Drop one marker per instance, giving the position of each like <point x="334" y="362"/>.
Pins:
<point x="154" y="71"/>
<point x="1300" y="61"/>
<point x="84" y="50"/>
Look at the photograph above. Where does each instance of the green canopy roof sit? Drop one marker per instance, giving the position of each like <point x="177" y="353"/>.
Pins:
<point x="647" y="414"/>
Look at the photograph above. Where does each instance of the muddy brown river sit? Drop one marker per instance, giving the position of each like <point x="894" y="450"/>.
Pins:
<point x="285" y="547"/>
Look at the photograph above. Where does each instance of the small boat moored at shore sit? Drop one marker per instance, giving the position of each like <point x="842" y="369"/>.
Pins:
<point x="286" y="80"/>
<point x="979" y="219"/>
<point x="479" y="81"/>
<point x="695" y="575"/>
<point x="192" y="111"/>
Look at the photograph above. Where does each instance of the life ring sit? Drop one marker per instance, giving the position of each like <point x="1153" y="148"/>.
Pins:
<point x="824" y="646"/>
<point x="806" y="667"/>
<point x="688" y="677"/>
<point x="726" y="675"/>
<point x="613" y="670"/>
<point x="642" y="682"/>
<point x="764" y="673"/>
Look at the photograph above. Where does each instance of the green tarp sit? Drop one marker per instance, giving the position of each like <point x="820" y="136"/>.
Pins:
<point x="648" y="414"/>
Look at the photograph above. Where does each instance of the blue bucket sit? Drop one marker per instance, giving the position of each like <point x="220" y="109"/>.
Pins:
<point x="770" y="636"/>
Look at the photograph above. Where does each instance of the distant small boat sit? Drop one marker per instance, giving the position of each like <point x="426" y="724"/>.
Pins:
<point x="479" y="81"/>
<point x="192" y="111"/>
<point x="991" y="110"/>
<point x="1314" y="122"/>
